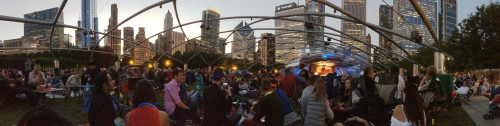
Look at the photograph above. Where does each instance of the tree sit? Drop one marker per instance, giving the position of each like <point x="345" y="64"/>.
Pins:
<point x="476" y="45"/>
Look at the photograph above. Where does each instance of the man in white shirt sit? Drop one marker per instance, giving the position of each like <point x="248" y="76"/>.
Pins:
<point x="36" y="76"/>
<point x="73" y="82"/>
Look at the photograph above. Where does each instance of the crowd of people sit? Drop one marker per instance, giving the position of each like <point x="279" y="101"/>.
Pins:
<point x="275" y="98"/>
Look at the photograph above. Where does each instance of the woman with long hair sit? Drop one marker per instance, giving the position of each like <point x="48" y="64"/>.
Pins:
<point x="411" y="112"/>
<point x="101" y="108"/>
<point x="426" y="86"/>
<point x="318" y="108"/>
<point x="145" y="112"/>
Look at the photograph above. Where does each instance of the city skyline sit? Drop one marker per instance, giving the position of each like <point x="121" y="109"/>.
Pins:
<point x="154" y="18"/>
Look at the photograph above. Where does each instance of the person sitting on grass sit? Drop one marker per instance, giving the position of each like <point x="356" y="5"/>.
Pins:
<point x="244" y="87"/>
<point x="145" y="112"/>
<point x="270" y="107"/>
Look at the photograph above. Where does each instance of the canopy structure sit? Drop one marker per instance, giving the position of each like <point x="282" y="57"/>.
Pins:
<point x="340" y="62"/>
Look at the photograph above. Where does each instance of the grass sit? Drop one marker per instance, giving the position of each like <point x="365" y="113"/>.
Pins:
<point x="13" y="111"/>
<point x="456" y="116"/>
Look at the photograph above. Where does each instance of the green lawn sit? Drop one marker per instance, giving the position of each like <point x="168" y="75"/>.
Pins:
<point x="12" y="112"/>
<point x="456" y="116"/>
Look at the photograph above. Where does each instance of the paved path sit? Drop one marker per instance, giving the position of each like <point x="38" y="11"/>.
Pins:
<point x="477" y="108"/>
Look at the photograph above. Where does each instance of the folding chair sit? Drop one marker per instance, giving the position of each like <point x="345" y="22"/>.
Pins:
<point x="461" y="95"/>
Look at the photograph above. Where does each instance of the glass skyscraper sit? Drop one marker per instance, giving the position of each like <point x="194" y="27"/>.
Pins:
<point x="409" y="20"/>
<point x="447" y="15"/>
<point x="285" y="40"/>
<point x="358" y="9"/>
<point x="41" y="33"/>
<point x="212" y="32"/>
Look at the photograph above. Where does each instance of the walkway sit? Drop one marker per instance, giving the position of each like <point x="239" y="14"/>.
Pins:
<point x="477" y="108"/>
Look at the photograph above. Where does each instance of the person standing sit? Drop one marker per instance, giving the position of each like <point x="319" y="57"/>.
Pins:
<point x="411" y="112"/>
<point x="217" y="101"/>
<point x="102" y="112"/>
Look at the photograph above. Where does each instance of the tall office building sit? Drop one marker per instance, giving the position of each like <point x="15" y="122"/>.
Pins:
<point x="409" y="20"/>
<point x="164" y="42"/>
<point x="128" y="34"/>
<point x="447" y="17"/>
<point x="141" y="51"/>
<point x="168" y="22"/>
<point x="114" y="43"/>
<point x="41" y="33"/>
<point x="78" y="36"/>
<point x="178" y="42"/>
<point x="267" y="49"/>
<point x="161" y="45"/>
<point x="68" y="40"/>
<point x="285" y="40"/>
<point x="210" y="32"/>
<point x="222" y="46"/>
<point x="358" y="9"/>
<point x="200" y="45"/>
<point x="243" y="46"/>
<point x="313" y="38"/>
<point x="385" y="20"/>
<point x="89" y="21"/>
<point x="368" y="48"/>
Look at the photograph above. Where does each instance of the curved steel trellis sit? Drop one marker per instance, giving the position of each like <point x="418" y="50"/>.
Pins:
<point x="374" y="27"/>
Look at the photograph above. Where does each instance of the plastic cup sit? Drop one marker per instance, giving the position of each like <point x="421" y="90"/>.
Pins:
<point x="42" y="87"/>
<point x="49" y="86"/>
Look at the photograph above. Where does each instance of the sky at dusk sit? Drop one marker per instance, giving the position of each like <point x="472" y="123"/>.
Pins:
<point x="189" y="10"/>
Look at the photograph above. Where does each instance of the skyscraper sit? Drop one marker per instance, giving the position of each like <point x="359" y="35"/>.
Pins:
<point x="409" y="20"/>
<point x="211" y="29"/>
<point x="243" y="46"/>
<point x="358" y="9"/>
<point x="68" y="40"/>
<point x="200" y="45"/>
<point x="447" y="16"/>
<point x="168" y="22"/>
<point x="41" y="33"/>
<point x="89" y="21"/>
<point x="313" y="38"/>
<point x="162" y="45"/>
<point x="368" y="48"/>
<point x="78" y="36"/>
<point x="266" y="48"/>
<point x="164" y="42"/>
<point x="114" y="43"/>
<point x="178" y="44"/>
<point x="385" y="20"/>
<point x="140" y="51"/>
<point x="222" y="46"/>
<point x="128" y="34"/>
<point x="285" y="40"/>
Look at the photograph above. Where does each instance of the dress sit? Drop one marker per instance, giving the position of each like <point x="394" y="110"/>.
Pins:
<point x="396" y="122"/>
<point x="144" y="116"/>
